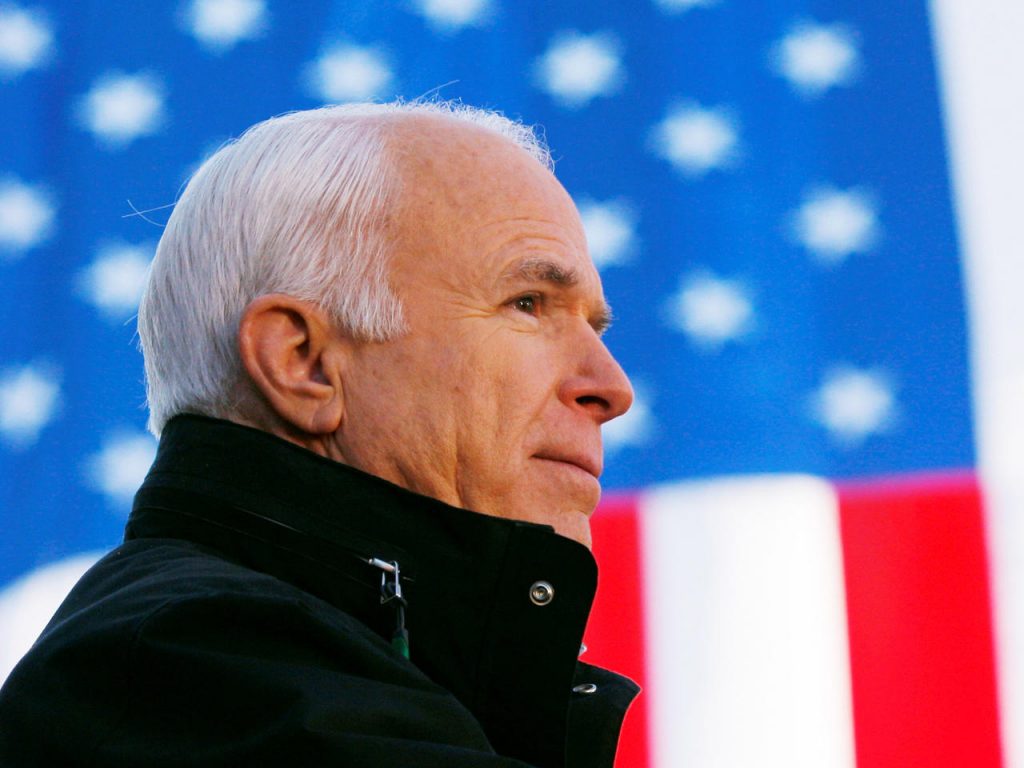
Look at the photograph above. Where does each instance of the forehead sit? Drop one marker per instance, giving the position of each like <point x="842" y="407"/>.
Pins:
<point x="473" y="200"/>
<point x="444" y="162"/>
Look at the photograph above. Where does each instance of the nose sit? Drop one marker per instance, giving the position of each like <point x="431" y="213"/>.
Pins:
<point x="599" y="386"/>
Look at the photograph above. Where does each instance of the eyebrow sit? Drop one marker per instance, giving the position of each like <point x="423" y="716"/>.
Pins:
<point x="546" y="271"/>
<point x="543" y="271"/>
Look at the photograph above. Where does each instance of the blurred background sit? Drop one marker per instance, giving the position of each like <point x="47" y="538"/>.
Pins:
<point x="807" y="217"/>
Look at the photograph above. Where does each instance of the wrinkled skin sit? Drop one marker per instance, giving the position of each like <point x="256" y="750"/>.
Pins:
<point x="494" y="398"/>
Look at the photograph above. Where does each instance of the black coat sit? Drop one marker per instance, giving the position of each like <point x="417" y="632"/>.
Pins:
<point x="240" y="624"/>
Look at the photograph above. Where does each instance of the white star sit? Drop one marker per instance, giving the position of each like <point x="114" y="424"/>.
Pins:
<point x="610" y="228"/>
<point x="120" y="108"/>
<point x="114" y="281"/>
<point x="853" y="404"/>
<point x="221" y="24"/>
<point x="29" y="397"/>
<point x="816" y="57"/>
<point x="696" y="140"/>
<point x="349" y="73"/>
<point x="121" y="465"/>
<point x="678" y="6"/>
<point x="832" y="224"/>
<point x="578" y="67"/>
<point x="26" y="40"/>
<point x="27" y="605"/>
<point x="453" y="15"/>
<point x="26" y="216"/>
<point x="632" y="428"/>
<point x="711" y="310"/>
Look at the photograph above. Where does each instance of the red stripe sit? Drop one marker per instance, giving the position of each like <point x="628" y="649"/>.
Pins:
<point x="615" y="634"/>
<point x="921" y="640"/>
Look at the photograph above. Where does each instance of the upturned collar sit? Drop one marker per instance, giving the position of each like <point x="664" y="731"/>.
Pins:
<point x="496" y="607"/>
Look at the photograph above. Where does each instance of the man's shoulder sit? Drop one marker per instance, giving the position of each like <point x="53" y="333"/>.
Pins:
<point x="163" y="637"/>
<point x="174" y="591"/>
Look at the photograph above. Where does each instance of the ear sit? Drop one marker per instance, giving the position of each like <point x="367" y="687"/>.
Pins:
<point x="294" y="357"/>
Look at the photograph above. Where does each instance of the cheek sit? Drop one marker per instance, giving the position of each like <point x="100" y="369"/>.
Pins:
<point x="497" y="387"/>
<point x="397" y="399"/>
<point x="500" y="428"/>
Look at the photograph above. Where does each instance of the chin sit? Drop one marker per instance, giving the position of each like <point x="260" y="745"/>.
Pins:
<point x="568" y="519"/>
<point x="574" y="486"/>
<point x="575" y="526"/>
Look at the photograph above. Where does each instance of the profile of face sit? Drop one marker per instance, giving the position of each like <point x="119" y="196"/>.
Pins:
<point x="494" y="398"/>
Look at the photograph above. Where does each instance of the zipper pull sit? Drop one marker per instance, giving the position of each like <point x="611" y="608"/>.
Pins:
<point x="391" y="592"/>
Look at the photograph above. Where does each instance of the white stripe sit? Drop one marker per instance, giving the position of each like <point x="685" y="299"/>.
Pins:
<point x="746" y="625"/>
<point x="981" y="61"/>
<point x="28" y="604"/>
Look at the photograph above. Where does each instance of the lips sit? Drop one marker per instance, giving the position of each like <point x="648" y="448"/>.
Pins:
<point x="581" y="461"/>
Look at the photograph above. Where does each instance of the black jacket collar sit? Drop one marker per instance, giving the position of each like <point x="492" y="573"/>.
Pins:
<point x="277" y="508"/>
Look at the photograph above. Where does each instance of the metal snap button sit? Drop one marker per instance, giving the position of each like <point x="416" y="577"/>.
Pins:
<point x="541" y="593"/>
<point x="584" y="688"/>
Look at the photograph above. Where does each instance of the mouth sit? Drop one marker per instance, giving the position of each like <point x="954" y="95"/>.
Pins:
<point x="584" y="463"/>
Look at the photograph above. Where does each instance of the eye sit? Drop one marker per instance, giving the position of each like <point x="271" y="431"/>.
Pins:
<point x="529" y="304"/>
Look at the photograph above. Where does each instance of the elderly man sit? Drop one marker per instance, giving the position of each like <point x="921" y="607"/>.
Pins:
<point x="373" y="354"/>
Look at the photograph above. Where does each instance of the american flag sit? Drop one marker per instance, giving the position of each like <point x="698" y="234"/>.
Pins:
<point x="807" y="217"/>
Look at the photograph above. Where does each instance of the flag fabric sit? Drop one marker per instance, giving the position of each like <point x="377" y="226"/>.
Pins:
<point x="785" y="621"/>
<point x="805" y="216"/>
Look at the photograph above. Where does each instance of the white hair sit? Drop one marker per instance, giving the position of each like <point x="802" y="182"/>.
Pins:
<point x="297" y="205"/>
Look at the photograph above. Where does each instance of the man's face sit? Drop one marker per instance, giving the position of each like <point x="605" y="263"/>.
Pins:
<point x="494" y="399"/>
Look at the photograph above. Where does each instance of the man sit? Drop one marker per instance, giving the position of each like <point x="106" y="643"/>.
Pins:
<point x="373" y="355"/>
